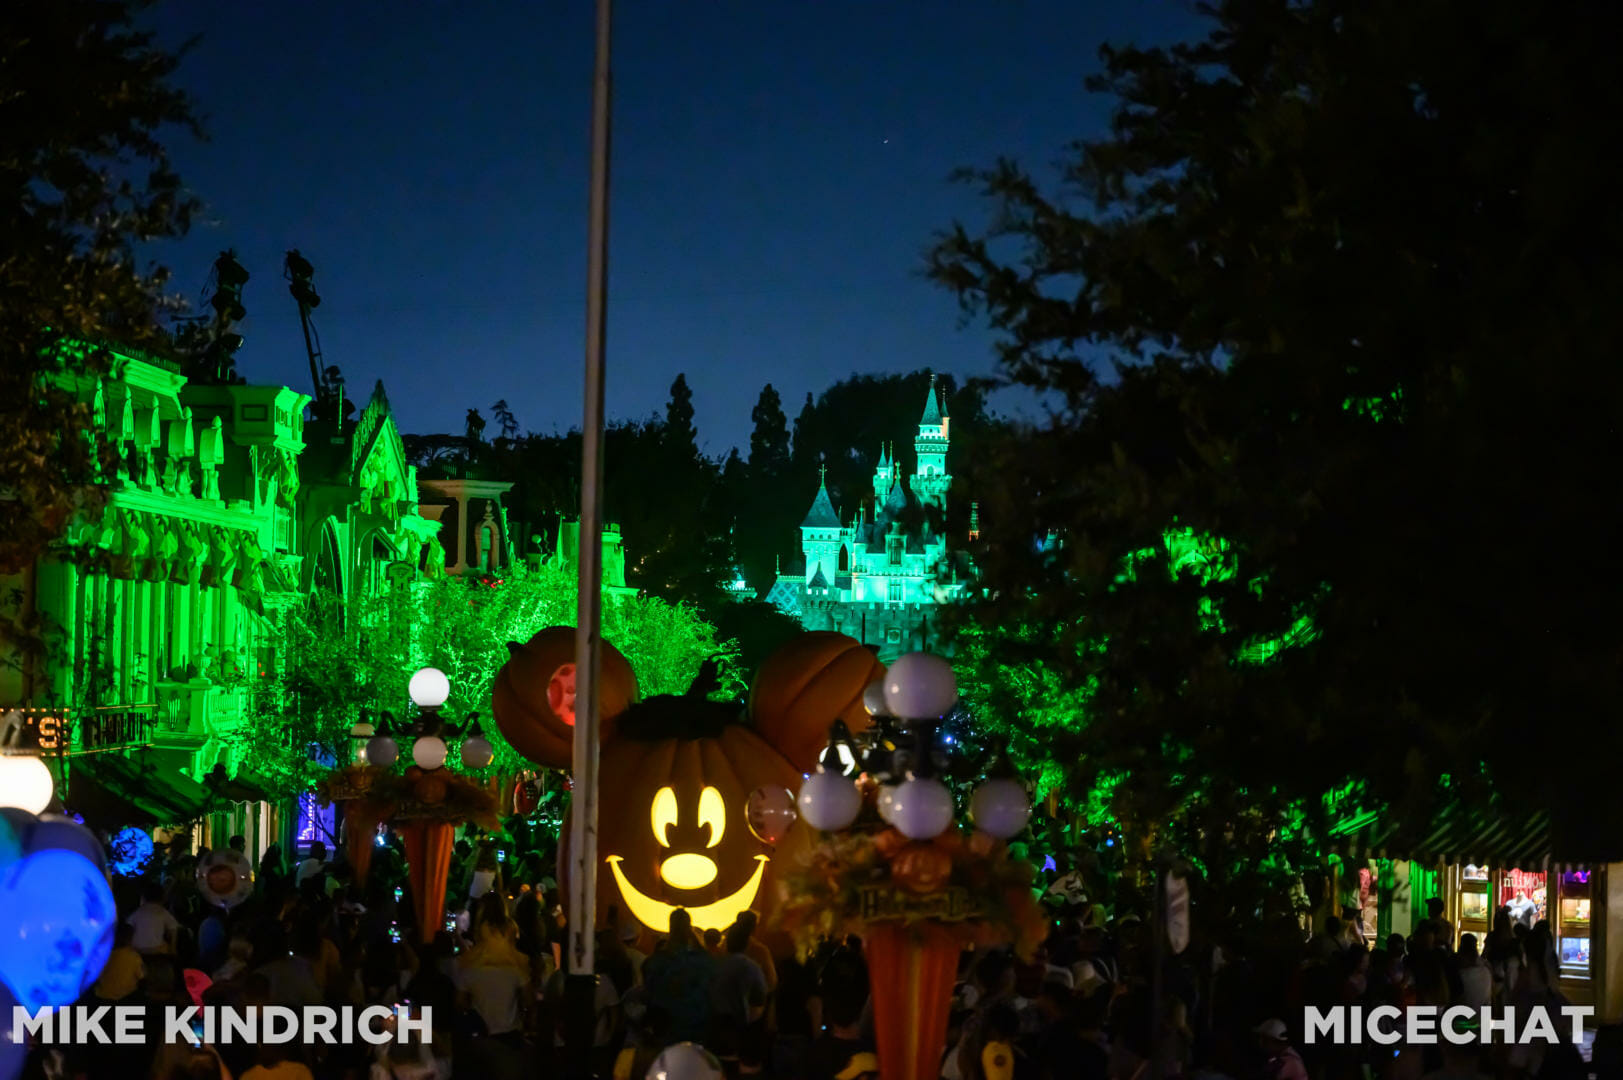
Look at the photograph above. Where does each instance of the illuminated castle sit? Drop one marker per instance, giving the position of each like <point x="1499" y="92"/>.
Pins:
<point x="879" y="579"/>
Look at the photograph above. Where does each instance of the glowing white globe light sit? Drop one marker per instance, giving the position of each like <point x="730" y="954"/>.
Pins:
<point x="873" y="698"/>
<point x="477" y="752"/>
<point x="429" y="688"/>
<point x="382" y="751"/>
<point x="25" y="782"/>
<point x="829" y="801"/>
<point x="685" y="1061"/>
<point x="1000" y="808"/>
<point x="428" y="752"/>
<point x="921" y="809"/>
<point x="920" y="686"/>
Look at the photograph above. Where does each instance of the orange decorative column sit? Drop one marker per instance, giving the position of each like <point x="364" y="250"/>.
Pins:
<point x="428" y="855"/>
<point x="911" y="971"/>
<point x="360" y="827"/>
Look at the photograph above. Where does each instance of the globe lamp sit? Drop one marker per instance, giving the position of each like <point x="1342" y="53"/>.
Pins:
<point x="999" y="807"/>
<point x="428" y="752"/>
<point x="920" y="686"/>
<point x="429" y="688"/>
<point x="25" y="783"/>
<point x="921" y="808"/>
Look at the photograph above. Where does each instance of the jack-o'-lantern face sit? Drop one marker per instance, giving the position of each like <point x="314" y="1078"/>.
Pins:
<point x="689" y="842"/>
<point x="673" y="831"/>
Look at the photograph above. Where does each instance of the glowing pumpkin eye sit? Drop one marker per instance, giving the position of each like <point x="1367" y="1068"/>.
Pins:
<point x="664" y="815"/>
<point x="712" y="812"/>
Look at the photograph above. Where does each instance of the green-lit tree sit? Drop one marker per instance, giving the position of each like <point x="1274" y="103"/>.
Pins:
<point x="85" y="102"/>
<point x="334" y="662"/>
<point x="1333" y="287"/>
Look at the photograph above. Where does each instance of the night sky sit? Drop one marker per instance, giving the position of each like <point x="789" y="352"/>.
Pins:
<point x="778" y="170"/>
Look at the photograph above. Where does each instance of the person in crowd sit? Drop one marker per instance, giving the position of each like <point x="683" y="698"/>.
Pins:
<point x="122" y="975"/>
<point x="1476" y="979"/>
<point x="289" y="974"/>
<point x="678" y="976"/>
<point x="1281" y="1061"/>
<point x="311" y="867"/>
<point x="737" y="994"/>
<point x="832" y="1051"/>
<point x="155" y="929"/>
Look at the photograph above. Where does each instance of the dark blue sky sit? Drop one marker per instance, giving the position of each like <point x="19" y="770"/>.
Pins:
<point x="779" y="168"/>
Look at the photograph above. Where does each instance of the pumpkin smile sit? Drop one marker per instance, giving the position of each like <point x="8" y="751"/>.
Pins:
<point x="717" y="915"/>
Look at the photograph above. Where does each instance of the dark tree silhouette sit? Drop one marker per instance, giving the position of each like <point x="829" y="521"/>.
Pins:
<point x="85" y="102"/>
<point x="679" y="431"/>
<point x="1349" y="262"/>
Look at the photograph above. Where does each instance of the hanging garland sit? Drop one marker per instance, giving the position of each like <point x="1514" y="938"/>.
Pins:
<point x="967" y="886"/>
<point x="414" y="795"/>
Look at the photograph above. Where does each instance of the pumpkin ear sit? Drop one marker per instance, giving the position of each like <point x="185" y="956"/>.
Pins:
<point x="514" y="647"/>
<point x="812" y="680"/>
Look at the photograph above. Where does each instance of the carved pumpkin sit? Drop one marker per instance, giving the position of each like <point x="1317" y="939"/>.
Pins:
<point x="534" y="695"/>
<point x="921" y="868"/>
<point x="673" y="825"/>
<point x="814" y="680"/>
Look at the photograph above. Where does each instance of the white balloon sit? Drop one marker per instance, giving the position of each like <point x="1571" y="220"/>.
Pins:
<point x="429" y="688"/>
<point x="382" y="751"/>
<point x="1000" y="808"/>
<point x="685" y="1061"/>
<point x="25" y="782"/>
<point x="428" y="752"/>
<point x="921" y="808"/>
<point x="920" y="686"/>
<point x="477" y="752"/>
<point x="829" y="801"/>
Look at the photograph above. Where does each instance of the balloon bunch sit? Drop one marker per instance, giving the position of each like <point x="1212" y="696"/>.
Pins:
<point x="56" y="917"/>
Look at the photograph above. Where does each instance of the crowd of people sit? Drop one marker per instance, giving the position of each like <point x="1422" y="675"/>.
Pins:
<point x="1087" y="1006"/>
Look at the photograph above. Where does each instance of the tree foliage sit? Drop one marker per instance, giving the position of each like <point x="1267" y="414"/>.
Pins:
<point x="1331" y="295"/>
<point x="84" y="103"/>
<point x="336" y="661"/>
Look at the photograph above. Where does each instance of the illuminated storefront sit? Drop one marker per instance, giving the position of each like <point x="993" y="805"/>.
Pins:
<point x="1477" y="866"/>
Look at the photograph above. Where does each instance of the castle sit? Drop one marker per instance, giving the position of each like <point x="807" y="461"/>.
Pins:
<point x="879" y="580"/>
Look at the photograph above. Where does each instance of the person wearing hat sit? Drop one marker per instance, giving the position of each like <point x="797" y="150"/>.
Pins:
<point x="1284" y="1063"/>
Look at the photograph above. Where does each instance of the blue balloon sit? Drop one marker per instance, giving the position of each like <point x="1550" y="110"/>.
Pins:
<point x="132" y="848"/>
<point x="12" y="1052"/>
<point x="56" y="831"/>
<point x="57" y="928"/>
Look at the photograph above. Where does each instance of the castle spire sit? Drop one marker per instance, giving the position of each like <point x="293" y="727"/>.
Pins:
<point x="821" y="515"/>
<point x="932" y="407"/>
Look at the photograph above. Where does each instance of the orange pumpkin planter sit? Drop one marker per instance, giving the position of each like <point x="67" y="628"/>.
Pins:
<point x="534" y="695"/>
<point x="814" y="680"/>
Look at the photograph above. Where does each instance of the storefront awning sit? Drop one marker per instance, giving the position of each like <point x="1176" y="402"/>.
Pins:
<point x="246" y="786"/>
<point x="111" y="790"/>
<point x="1457" y="834"/>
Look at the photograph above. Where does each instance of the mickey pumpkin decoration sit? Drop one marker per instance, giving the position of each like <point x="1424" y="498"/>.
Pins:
<point x="534" y="695"/>
<point x="676" y="773"/>
<point x="814" y="680"/>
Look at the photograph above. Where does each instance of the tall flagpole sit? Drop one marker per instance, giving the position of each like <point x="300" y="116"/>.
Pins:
<point x="588" y="626"/>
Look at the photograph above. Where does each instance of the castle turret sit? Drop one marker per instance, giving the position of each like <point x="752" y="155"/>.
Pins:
<point x="881" y="475"/>
<point x="931" y="481"/>
<point x="820" y="534"/>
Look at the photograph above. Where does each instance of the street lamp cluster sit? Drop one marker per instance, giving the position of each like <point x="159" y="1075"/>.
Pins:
<point x="429" y="689"/>
<point x="918" y="691"/>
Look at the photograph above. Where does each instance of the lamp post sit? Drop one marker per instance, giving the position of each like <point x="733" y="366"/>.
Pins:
<point x="918" y="691"/>
<point x="429" y="689"/>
